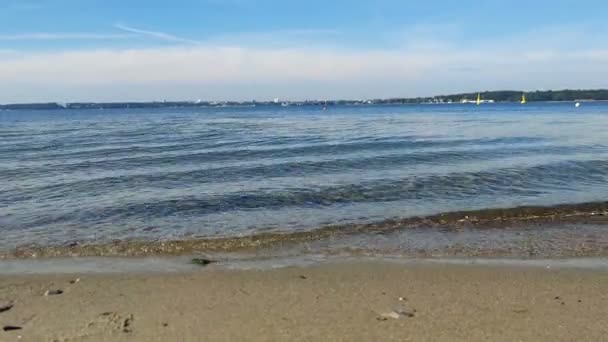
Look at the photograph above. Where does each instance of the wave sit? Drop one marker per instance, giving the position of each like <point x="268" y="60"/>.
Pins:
<point x="515" y="182"/>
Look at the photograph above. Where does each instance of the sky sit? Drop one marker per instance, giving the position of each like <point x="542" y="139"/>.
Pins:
<point x="136" y="50"/>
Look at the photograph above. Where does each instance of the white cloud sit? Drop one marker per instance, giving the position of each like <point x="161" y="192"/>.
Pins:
<point x="213" y="64"/>
<point x="218" y="71"/>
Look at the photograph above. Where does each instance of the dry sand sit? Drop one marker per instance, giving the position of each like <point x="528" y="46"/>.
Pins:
<point x="348" y="301"/>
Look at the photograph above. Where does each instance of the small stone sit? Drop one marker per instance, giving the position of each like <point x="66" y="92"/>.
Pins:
<point x="303" y="277"/>
<point x="74" y="281"/>
<point x="563" y="303"/>
<point x="391" y="314"/>
<point x="401" y="299"/>
<point x="52" y="293"/>
<point x="580" y="301"/>
<point x="165" y="325"/>
<point x="395" y="314"/>
<point x="11" y="328"/>
<point x="202" y="262"/>
<point x="556" y="298"/>
<point x="405" y="313"/>
<point x="5" y="308"/>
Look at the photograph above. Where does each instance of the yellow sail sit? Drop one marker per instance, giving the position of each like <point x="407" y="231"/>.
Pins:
<point x="523" y="99"/>
<point x="478" y="99"/>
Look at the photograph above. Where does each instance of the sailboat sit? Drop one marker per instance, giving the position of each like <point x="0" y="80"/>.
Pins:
<point x="523" y="99"/>
<point x="478" y="99"/>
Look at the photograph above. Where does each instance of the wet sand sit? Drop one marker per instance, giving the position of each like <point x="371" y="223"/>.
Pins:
<point x="340" y="301"/>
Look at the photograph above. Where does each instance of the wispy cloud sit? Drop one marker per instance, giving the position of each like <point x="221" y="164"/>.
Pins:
<point x="63" y="36"/>
<point x="155" y="34"/>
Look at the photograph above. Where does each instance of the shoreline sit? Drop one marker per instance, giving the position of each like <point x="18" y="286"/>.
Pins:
<point x="184" y="264"/>
<point x="531" y="218"/>
<point x="340" y="301"/>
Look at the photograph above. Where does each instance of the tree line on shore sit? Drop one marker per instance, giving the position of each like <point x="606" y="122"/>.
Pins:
<point x="497" y="96"/>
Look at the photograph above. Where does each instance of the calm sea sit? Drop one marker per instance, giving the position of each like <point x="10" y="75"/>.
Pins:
<point x="105" y="175"/>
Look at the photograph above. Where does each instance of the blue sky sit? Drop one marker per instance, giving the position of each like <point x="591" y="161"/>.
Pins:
<point x="105" y="50"/>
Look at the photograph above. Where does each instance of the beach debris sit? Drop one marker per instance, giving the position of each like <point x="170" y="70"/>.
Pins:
<point x="53" y="293"/>
<point x="6" y="307"/>
<point x="385" y="316"/>
<point x="202" y="261"/>
<point x="11" y="328"/>
<point x="396" y="314"/>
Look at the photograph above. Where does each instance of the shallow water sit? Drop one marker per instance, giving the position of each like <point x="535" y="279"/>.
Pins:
<point x="95" y="176"/>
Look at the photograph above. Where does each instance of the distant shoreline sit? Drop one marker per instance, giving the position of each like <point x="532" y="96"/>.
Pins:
<point x="156" y="105"/>
<point x="507" y="96"/>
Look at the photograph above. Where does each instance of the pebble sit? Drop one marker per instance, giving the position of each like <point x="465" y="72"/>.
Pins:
<point x="5" y="308"/>
<point x="52" y="293"/>
<point x="396" y="314"/>
<point x="11" y="328"/>
<point x="202" y="262"/>
<point x="77" y="280"/>
<point x="392" y="314"/>
<point x="404" y="313"/>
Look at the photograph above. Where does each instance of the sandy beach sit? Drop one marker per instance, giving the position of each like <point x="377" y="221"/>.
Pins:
<point x="339" y="301"/>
